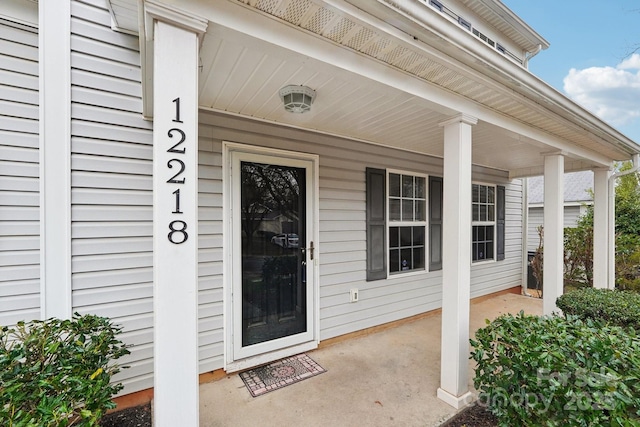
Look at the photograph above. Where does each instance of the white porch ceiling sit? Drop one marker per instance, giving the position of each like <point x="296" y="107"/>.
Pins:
<point x="242" y="74"/>
<point x="347" y="104"/>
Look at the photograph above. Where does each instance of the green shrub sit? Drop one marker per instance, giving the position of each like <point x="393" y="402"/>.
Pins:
<point x="628" y="262"/>
<point x="620" y="308"/>
<point x="58" y="372"/>
<point x="578" y="252"/>
<point x="556" y="371"/>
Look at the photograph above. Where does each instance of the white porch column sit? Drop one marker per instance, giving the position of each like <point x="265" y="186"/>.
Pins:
<point x="456" y="261"/>
<point x="55" y="158"/>
<point x="601" y="228"/>
<point x="175" y="220"/>
<point x="611" y="237"/>
<point x="553" y="255"/>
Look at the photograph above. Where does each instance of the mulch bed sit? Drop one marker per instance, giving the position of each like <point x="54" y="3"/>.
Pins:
<point x="137" y="416"/>
<point x="473" y="416"/>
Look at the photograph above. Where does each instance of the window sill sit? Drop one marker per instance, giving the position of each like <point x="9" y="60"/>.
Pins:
<point x="483" y="262"/>
<point x="407" y="274"/>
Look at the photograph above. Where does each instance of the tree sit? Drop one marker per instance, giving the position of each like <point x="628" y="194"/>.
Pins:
<point x="537" y="261"/>
<point x="578" y="252"/>
<point x="579" y="240"/>
<point x="628" y="230"/>
<point x="627" y="203"/>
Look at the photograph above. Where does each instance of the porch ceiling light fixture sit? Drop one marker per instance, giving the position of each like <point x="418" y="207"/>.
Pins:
<point x="297" y="99"/>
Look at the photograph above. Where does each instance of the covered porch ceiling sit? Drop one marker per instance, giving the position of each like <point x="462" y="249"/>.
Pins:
<point x="382" y="76"/>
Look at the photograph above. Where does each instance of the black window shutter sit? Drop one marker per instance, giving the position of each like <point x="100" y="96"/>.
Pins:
<point x="376" y="224"/>
<point x="435" y="223"/>
<point x="500" y="216"/>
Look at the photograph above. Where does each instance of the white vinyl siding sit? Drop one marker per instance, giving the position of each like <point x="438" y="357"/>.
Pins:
<point x="342" y="248"/>
<point x="572" y="215"/>
<point x="19" y="174"/>
<point x="210" y="305"/>
<point x="111" y="186"/>
<point x="536" y="217"/>
<point x="112" y="199"/>
<point x="534" y="220"/>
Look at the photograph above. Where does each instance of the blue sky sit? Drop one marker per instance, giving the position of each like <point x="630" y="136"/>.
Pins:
<point x="590" y="58"/>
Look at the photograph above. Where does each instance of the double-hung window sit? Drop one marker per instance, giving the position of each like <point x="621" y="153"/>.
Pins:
<point x="399" y="208"/>
<point x="483" y="234"/>
<point x="407" y="204"/>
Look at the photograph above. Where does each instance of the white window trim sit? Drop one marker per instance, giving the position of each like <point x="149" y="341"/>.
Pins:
<point x="424" y="223"/>
<point x="493" y="223"/>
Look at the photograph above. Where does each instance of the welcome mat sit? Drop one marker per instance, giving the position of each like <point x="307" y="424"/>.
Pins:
<point x="280" y="374"/>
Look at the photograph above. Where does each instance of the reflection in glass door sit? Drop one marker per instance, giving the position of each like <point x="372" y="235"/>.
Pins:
<point x="273" y="242"/>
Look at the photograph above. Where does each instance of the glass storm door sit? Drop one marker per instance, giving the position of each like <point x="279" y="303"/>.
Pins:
<point x="272" y="296"/>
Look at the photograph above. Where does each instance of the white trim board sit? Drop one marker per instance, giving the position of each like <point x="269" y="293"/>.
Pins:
<point x="55" y="158"/>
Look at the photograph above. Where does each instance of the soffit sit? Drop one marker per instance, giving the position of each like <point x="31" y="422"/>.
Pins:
<point x="327" y="21"/>
<point x="347" y="104"/>
<point x="242" y="75"/>
<point x="501" y="18"/>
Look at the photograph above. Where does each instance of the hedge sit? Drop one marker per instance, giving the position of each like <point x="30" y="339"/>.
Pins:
<point x="615" y="307"/>
<point x="556" y="371"/>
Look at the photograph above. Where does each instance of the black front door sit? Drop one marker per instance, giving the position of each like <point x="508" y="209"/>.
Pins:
<point x="273" y="267"/>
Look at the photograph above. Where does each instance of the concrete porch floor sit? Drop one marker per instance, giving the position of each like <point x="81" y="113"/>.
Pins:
<point x="387" y="378"/>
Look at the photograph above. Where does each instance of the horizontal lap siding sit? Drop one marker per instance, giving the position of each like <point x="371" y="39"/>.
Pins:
<point x="536" y="218"/>
<point x="343" y="245"/>
<point x="19" y="174"/>
<point x="342" y="249"/>
<point x="111" y="186"/>
<point x="571" y="215"/>
<point x="210" y="305"/>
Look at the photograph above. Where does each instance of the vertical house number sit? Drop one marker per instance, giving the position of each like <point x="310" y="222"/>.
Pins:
<point x="177" y="228"/>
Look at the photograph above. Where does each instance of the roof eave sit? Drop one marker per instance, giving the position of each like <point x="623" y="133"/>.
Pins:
<point x="515" y="22"/>
<point x="419" y="20"/>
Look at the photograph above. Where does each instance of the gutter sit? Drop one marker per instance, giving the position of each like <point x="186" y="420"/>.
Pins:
<point x="611" y="237"/>
<point x="530" y="55"/>
<point x="520" y="80"/>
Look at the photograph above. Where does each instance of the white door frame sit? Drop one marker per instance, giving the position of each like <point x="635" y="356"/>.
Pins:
<point x="236" y="357"/>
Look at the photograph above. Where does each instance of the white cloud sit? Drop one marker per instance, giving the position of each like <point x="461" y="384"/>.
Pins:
<point x="613" y="94"/>
<point x="631" y="63"/>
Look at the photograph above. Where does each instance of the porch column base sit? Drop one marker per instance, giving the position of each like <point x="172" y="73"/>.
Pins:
<point x="457" y="402"/>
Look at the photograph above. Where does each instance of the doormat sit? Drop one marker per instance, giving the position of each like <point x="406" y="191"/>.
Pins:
<point x="280" y="374"/>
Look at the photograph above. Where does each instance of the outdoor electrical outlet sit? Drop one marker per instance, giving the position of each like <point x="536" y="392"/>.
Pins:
<point x="354" y="295"/>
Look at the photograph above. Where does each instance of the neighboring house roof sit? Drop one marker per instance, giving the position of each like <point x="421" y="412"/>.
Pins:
<point x="576" y="187"/>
